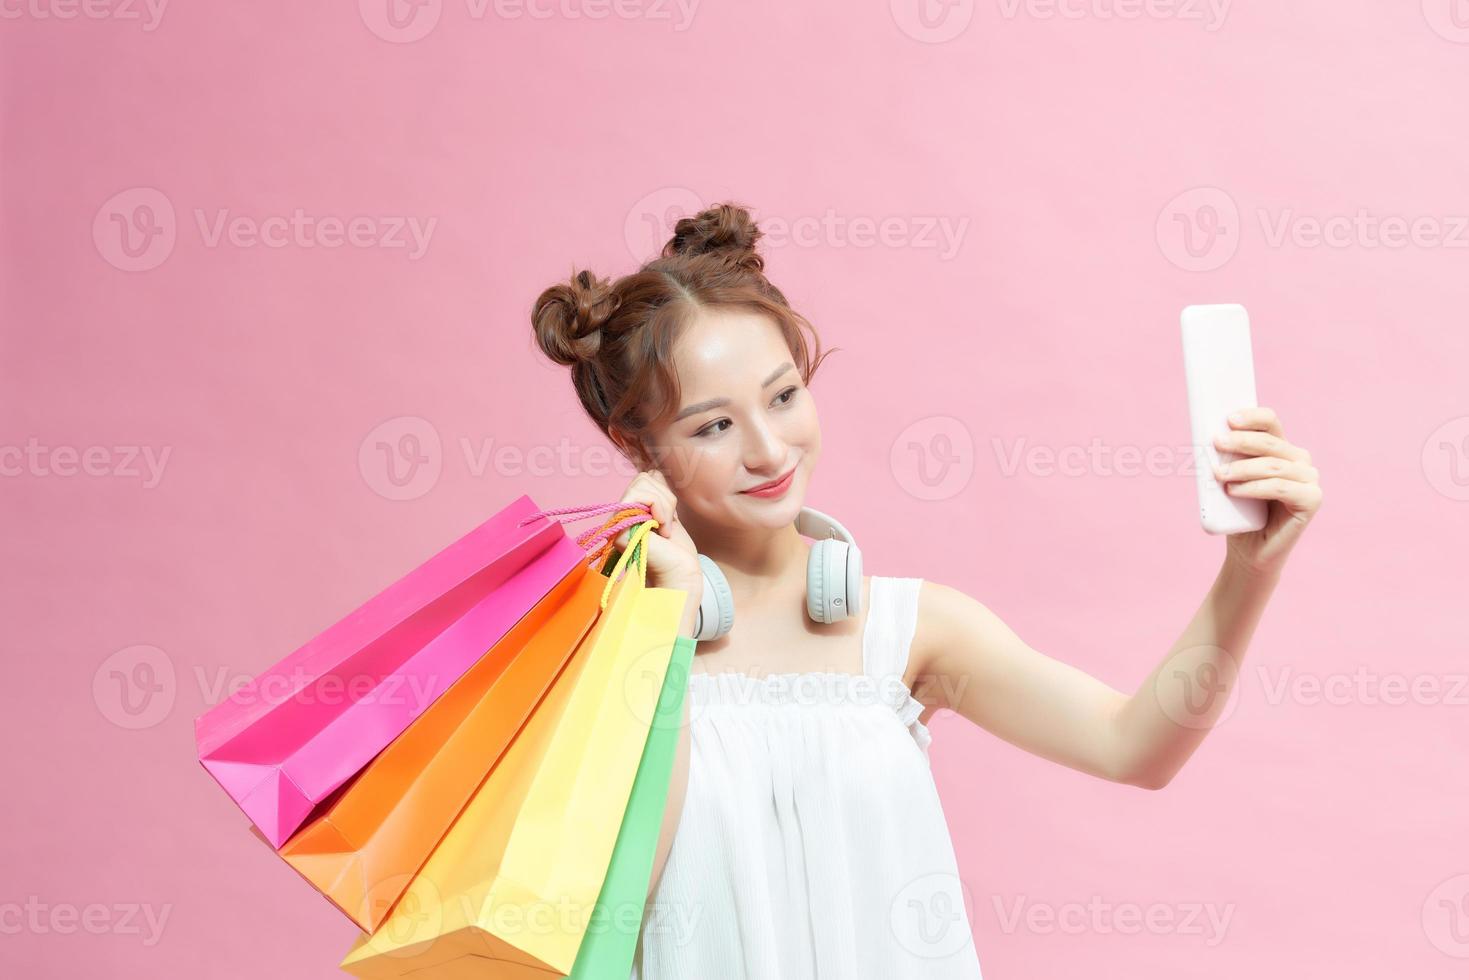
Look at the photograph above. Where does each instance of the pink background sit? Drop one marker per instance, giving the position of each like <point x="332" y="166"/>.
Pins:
<point x="280" y="381"/>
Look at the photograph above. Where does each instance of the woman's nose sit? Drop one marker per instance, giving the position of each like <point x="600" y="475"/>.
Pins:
<point x="765" y="449"/>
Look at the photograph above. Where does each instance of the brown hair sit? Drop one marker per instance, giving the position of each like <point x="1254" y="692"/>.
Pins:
<point x="618" y="337"/>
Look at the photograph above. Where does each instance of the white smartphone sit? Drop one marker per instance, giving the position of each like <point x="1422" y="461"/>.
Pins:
<point x="1220" y="370"/>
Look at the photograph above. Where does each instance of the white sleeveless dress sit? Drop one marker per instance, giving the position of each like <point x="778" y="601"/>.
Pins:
<point x="812" y="845"/>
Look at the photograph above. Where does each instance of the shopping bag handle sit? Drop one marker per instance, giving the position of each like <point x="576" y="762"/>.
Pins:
<point x="624" y="515"/>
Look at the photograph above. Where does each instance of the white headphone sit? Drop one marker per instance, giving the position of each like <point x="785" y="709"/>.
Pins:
<point x="833" y="579"/>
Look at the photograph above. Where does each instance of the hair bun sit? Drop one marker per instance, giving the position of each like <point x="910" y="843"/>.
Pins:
<point x="724" y="228"/>
<point x="568" y="318"/>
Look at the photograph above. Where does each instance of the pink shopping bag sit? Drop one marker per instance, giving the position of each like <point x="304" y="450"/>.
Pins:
<point x="286" y="740"/>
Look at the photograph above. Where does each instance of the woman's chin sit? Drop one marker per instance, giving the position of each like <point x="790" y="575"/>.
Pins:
<point x="774" y="513"/>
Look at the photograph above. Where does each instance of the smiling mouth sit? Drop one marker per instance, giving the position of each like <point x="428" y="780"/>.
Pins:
<point x="773" y="483"/>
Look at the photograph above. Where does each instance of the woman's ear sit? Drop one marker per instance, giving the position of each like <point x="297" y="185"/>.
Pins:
<point x="631" y="450"/>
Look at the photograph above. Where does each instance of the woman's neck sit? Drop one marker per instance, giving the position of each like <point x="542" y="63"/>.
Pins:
<point x="755" y="561"/>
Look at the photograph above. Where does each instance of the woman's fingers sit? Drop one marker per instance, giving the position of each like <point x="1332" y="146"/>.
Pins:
<point x="665" y="508"/>
<point x="1261" y="467"/>
<point x="1257" y="417"/>
<point x="1247" y="442"/>
<point x="648" y="488"/>
<point x="669" y="517"/>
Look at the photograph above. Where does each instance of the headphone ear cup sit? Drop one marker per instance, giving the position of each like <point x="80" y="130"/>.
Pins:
<point x="816" y="579"/>
<point x="716" y="605"/>
<point x="833" y="581"/>
<point x="854" y="580"/>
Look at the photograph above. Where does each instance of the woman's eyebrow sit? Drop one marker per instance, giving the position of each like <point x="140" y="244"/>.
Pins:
<point x="704" y="406"/>
<point x="776" y="374"/>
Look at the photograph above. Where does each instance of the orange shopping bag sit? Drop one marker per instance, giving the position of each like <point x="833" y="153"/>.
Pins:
<point x="510" y="889"/>
<point x="362" y="851"/>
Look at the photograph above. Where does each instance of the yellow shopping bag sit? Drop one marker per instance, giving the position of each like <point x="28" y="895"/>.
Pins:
<point x="510" y="889"/>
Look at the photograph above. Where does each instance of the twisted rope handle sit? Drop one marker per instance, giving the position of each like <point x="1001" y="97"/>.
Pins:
<point x="635" y="549"/>
<point x="624" y="515"/>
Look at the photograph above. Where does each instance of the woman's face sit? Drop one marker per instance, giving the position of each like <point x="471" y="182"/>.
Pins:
<point x="745" y="418"/>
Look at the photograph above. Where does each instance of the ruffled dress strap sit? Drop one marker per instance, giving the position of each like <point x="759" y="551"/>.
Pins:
<point x="886" y="643"/>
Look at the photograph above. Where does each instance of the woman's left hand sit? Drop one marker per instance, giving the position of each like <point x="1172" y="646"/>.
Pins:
<point x="1273" y="470"/>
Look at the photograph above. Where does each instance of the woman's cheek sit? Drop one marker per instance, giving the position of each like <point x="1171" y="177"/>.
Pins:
<point x="717" y="468"/>
<point x="808" y="431"/>
<point x="698" y="468"/>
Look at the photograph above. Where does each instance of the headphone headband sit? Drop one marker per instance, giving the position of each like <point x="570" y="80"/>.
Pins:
<point x="813" y="523"/>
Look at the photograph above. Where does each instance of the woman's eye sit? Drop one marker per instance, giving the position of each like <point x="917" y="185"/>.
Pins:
<point x="784" y="398"/>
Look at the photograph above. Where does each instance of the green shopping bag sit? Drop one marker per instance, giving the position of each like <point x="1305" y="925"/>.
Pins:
<point x="607" y="950"/>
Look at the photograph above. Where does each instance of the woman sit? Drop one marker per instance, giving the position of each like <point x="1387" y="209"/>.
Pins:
<point x="803" y="835"/>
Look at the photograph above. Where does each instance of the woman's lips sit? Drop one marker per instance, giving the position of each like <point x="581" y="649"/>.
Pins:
<point x="773" y="489"/>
